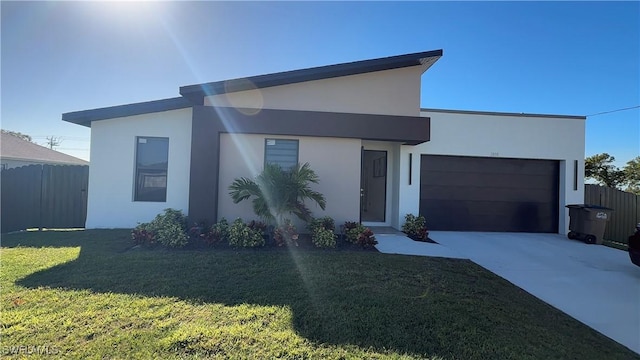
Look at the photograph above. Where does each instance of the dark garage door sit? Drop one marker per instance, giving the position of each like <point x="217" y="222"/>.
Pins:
<point x="489" y="194"/>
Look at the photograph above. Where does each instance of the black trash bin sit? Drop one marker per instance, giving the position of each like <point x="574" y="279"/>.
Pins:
<point x="588" y="222"/>
<point x="634" y="246"/>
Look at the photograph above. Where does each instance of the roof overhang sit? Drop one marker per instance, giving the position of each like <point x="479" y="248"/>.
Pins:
<point x="196" y="93"/>
<point x="497" y="113"/>
<point x="85" y="117"/>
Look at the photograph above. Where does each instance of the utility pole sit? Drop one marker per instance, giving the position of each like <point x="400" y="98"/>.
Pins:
<point x="53" y="142"/>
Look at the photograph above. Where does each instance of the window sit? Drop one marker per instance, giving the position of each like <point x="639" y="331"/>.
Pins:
<point x="575" y="174"/>
<point x="281" y="152"/>
<point x="152" y="159"/>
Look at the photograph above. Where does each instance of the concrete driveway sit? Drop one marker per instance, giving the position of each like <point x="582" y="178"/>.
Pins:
<point x="596" y="285"/>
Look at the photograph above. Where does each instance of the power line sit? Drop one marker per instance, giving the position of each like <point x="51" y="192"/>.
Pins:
<point x="61" y="148"/>
<point x="612" y="111"/>
<point x="70" y="138"/>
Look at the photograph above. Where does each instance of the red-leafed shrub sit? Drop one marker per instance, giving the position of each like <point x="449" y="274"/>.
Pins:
<point x="367" y="238"/>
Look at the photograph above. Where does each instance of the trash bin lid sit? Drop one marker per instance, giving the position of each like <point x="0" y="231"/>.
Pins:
<point x="588" y="206"/>
<point x="575" y="206"/>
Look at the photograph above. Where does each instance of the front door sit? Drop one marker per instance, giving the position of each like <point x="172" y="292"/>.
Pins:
<point x="373" y="184"/>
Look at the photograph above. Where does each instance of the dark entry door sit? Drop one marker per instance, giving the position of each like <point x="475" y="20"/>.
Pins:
<point x="373" y="186"/>
<point x="489" y="194"/>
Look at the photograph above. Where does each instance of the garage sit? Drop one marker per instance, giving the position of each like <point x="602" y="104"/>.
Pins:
<point x="459" y="193"/>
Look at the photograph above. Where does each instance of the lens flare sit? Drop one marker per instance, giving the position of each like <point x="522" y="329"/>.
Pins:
<point x="248" y="102"/>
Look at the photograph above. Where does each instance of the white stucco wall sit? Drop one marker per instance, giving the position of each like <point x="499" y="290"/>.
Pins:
<point x="111" y="173"/>
<point x="506" y="136"/>
<point x="335" y="161"/>
<point x="389" y="92"/>
<point x="398" y="178"/>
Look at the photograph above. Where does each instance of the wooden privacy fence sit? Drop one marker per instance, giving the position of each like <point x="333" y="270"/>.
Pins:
<point x="44" y="196"/>
<point x="626" y="206"/>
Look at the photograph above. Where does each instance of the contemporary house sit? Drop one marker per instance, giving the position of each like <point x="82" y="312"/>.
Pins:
<point x="17" y="152"/>
<point x="360" y="126"/>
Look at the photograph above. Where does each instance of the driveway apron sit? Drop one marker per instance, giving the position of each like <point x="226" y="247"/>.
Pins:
<point x="594" y="284"/>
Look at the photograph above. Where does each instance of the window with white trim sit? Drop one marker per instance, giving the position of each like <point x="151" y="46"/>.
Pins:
<point x="152" y="162"/>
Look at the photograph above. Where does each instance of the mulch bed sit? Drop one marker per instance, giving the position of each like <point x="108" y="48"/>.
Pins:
<point x="427" y="240"/>
<point x="304" y="244"/>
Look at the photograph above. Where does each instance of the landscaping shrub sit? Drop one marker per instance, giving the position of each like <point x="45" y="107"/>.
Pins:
<point x="349" y="225"/>
<point x="353" y="231"/>
<point x="323" y="238"/>
<point x="168" y="228"/>
<point x="357" y="233"/>
<point x="258" y="226"/>
<point x="142" y="234"/>
<point x="214" y="234"/>
<point x="366" y="238"/>
<point x="172" y="235"/>
<point x="285" y="234"/>
<point x="241" y="235"/>
<point x="197" y="229"/>
<point x="326" y="223"/>
<point x="415" y="227"/>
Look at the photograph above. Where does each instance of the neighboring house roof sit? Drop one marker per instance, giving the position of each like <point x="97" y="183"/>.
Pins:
<point x="194" y="94"/>
<point x="15" y="148"/>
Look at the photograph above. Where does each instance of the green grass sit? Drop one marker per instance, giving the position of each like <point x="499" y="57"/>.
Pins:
<point x="85" y="294"/>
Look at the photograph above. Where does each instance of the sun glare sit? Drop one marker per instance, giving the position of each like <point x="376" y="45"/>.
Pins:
<point x="127" y="13"/>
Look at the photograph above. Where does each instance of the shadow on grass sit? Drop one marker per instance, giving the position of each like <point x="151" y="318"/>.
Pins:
<point x="419" y="306"/>
<point x="94" y="241"/>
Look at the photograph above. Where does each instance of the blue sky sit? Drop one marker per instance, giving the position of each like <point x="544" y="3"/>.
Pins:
<point x="576" y="58"/>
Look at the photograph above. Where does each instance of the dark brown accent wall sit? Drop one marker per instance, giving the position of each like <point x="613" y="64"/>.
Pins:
<point x="210" y="122"/>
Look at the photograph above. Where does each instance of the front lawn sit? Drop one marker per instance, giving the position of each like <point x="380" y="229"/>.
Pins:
<point x="86" y="294"/>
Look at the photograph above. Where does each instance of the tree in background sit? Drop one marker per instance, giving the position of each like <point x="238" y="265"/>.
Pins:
<point x="600" y="168"/>
<point x="632" y="175"/>
<point x="17" y="134"/>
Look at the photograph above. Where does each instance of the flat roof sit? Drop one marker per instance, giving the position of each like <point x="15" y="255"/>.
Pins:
<point x="577" y="117"/>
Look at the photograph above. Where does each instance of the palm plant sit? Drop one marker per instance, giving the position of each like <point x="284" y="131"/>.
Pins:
<point x="277" y="192"/>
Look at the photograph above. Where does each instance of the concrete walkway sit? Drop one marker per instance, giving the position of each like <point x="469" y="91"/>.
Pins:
<point x="595" y="284"/>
